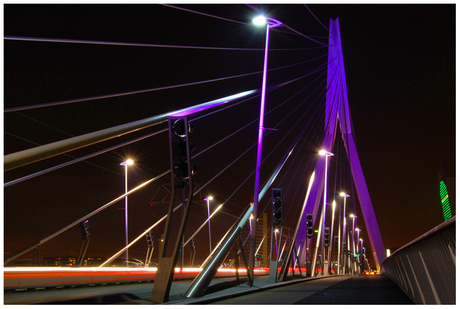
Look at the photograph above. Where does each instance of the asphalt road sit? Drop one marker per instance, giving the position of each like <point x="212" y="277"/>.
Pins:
<point x="332" y="290"/>
<point x="327" y="290"/>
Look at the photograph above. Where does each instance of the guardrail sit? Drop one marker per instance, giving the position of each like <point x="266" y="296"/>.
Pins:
<point x="425" y="268"/>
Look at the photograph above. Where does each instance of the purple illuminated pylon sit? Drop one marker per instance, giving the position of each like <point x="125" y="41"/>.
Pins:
<point x="337" y="112"/>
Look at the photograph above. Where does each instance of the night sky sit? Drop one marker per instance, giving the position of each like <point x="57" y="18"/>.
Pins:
<point x="400" y="71"/>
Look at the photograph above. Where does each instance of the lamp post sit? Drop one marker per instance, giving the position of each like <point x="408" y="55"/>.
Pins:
<point x="331" y="237"/>
<point x="209" y="198"/>
<point x="357" y="240"/>
<point x="325" y="154"/>
<point x="344" y="223"/>
<point x="250" y="224"/>
<point x="276" y="244"/>
<point x="361" y="255"/>
<point x="270" y="23"/>
<point x="353" y="242"/>
<point x="125" y="164"/>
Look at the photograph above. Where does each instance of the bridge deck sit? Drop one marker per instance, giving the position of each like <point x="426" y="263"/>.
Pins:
<point x="360" y="290"/>
<point x="327" y="290"/>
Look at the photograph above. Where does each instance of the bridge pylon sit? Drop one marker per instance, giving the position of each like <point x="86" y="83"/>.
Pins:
<point x="338" y="114"/>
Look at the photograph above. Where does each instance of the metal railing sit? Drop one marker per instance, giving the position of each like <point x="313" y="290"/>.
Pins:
<point x="425" y="268"/>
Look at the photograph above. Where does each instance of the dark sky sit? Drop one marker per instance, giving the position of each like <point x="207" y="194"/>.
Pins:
<point x="400" y="71"/>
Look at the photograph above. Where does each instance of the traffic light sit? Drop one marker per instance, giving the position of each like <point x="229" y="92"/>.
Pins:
<point x="179" y="152"/>
<point x="336" y="242"/>
<point x="149" y="239"/>
<point x="277" y="206"/>
<point x="309" y="225"/>
<point x="84" y="229"/>
<point x="326" y="236"/>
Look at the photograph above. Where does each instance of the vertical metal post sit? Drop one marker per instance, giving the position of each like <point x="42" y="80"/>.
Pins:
<point x="344" y="226"/>
<point x="258" y="162"/>
<point x="209" y="227"/>
<point x="331" y="239"/>
<point x="318" y="241"/>
<point x="339" y="241"/>
<point x="354" y="246"/>
<point x="166" y="264"/>
<point x="126" y="215"/>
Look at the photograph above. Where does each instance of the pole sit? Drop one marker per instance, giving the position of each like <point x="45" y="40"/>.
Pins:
<point x="209" y="228"/>
<point x="318" y="240"/>
<point x="353" y="244"/>
<point x="339" y="240"/>
<point x="324" y="214"/>
<point x="126" y="213"/>
<point x="252" y="250"/>
<point x="329" y="259"/>
<point x="344" y="227"/>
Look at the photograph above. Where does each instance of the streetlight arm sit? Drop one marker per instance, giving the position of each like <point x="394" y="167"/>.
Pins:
<point x="272" y="23"/>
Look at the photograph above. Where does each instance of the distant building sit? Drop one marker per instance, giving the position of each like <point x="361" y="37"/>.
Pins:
<point x="70" y="261"/>
<point x="446" y="192"/>
<point x="261" y="259"/>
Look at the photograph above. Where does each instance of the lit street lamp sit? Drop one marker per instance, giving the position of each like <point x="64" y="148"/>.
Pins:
<point x="276" y="244"/>
<point x="357" y="240"/>
<point x="332" y="237"/>
<point x="325" y="154"/>
<point x="357" y="248"/>
<point x="353" y="241"/>
<point x="250" y="224"/>
<point x="361" y="254"/>
<point x="125" y="164"/>
<point x="270" y="23"/>
<point x="209" y="198"/>
<point x="342" y="257"/>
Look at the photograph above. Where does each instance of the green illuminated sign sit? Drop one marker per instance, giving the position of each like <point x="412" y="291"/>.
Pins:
<point x="445" y="201"/>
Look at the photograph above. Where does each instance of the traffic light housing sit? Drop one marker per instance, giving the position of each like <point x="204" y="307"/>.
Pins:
<point x="336" y="242"/>
<point x="179" y="152"/>
<point x="84" y="229"/>
<point x="309" y="225"/>
<point x="149" y="240"/>
<point x="277" y="206"/>
<point x="327" y="232"/>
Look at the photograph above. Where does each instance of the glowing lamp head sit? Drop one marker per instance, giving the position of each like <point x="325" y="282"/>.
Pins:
<point x="324" y="152"/>
<point x="127" y="162"/>
<point x="259" y="20"/>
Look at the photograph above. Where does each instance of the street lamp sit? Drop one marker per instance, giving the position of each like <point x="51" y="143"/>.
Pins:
<point x="357" y="239"/>
<point x="353" y="240"/>
<point x="209" y="198"/>
<point x="361" y="255"/>
<point x="342" y="259"/>
<point x="326" y="154"/>
<point x="125" y="164"/>
<point x="270" y="23"/>
<point x="276" y="244"/>
<point x="357" y="248"/>
<point x="332" y="237"/>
